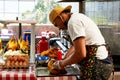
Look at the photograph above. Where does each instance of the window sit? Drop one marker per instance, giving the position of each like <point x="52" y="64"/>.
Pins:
<point x="107" y="12"/>
<point x="10" y="9"/>
<point x="30" y="9"/>
<point x="75" y="5"/>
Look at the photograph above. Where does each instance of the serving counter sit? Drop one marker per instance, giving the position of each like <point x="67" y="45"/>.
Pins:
<point x="44" y="74"/>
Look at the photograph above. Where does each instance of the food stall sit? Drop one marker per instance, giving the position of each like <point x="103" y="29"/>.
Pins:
<point x="20" y="64"/>
<point x="37" y="67"/>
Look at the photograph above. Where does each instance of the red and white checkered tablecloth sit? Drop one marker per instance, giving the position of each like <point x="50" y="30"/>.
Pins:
<point x="17" y="74"/>
<point x="58" y="78"/>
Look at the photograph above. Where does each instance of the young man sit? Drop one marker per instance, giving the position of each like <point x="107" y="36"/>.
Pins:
<point x="89" y="47"/>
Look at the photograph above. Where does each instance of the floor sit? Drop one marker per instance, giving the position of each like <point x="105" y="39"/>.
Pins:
<point x="115" y="76"/>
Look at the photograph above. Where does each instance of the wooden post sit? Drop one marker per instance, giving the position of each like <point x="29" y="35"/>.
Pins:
<point x="81" y="4"/>
<point x="82" y="7"/>
<point x="32" y="44"/>
<point x="20" y="29"/>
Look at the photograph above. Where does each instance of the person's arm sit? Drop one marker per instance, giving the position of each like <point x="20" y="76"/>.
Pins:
<point x="78" y="55"/>
<point x="69" y="52"/>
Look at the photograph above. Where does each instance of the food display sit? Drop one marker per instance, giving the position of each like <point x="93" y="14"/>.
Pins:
<point x="11" y="53"/>
<point x="17" y="61"/>
<point x="16" y="53"/>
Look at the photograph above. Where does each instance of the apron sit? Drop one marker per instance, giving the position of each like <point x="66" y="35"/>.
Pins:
<point x="87" y="64"/>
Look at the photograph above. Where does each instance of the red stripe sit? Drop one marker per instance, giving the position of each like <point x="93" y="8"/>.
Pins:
<point x="15" y="76"/>
<point x="7" y="76"/>
<point x="51" y="78"/>
<point x="70" y="77"/>
<point x="61" y="78"/>
<point x="0" y="76"/>
<point x="23" y="76"/>
<point x="42" y="78"/>
<point x="32" y="77"/>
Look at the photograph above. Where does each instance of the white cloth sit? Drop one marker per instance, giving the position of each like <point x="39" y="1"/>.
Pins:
<point x="80" y="25"/>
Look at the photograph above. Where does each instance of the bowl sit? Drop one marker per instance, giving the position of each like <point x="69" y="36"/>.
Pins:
<point x="42" y="59"/>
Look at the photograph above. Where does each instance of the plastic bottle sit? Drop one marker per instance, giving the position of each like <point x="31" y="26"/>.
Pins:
<point x="59" y="54"/>
<point x="43" y="44"/>
<point x="37" y="49"/>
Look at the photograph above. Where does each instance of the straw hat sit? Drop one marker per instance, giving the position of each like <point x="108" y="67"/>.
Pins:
<point x="56" y="11"/>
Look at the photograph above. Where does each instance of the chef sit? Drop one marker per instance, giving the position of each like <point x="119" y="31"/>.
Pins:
<point x="88" y="49"/>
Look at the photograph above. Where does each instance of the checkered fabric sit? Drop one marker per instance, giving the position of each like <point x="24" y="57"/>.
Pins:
<point x="17" y="74"/>
<point x="58" y="78"/>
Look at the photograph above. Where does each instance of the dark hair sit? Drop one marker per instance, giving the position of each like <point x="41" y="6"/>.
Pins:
<point x="66" y="11"/>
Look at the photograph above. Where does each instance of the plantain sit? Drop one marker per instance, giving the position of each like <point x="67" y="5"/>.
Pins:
<point x="1" y="49"/>
<point x="12" y="44"/>
<point x="24" y="45"/>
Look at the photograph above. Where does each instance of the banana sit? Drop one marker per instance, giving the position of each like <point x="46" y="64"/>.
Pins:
<point x="0" y="43"/>
<point x="1" y="49"/>
<point x="24" y="45"/>
<point x="12" y="44"/>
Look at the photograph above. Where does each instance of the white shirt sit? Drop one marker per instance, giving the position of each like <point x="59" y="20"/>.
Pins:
<point x="80" y="25"/>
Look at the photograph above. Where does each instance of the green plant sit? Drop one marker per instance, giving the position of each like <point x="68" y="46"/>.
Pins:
<point x="41" y="11"/>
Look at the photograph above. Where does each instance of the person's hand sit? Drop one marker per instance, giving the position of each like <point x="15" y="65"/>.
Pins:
<point x="56" y="68"/>
<point x="57" y="65"/>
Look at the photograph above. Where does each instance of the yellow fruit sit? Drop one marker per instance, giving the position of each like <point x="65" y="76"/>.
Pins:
<point x="12" y="44"/>
<point x="24" y="45"/>
<point x="0" y="43"/>
<point x="1" y="51"/>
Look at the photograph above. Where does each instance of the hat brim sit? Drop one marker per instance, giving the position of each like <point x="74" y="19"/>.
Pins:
<point x="68" y="8"/>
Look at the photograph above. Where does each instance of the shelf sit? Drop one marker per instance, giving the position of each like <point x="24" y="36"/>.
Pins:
<point x="18" y="21"/>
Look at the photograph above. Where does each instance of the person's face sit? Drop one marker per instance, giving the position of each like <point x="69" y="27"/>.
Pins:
<point x="58" y="22"/>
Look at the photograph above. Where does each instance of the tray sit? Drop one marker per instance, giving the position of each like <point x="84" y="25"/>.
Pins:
<point x="43" y="71"/>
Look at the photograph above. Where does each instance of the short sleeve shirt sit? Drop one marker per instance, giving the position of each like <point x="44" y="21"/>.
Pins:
<point x="81" y="25"/>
